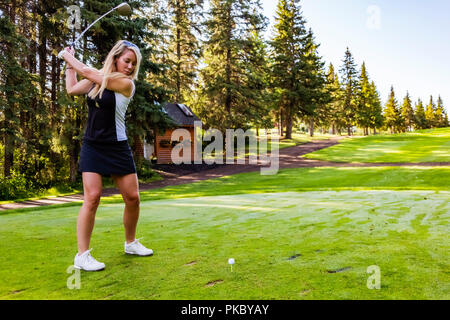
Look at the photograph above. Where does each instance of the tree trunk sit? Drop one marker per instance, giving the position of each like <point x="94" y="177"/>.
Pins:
<point x="138" y="148"/>
<point x="349" y="132"/>
<point x="281" y="122"/>
<point x="228" y="67"/>
<point x="178" y="97"/>
<point x="53" y="90"/>
<point x="8" y="138"/>
<point x="73" y="166"/>
<point x="333" y="129"/>
<point x="289" y="123"/>
<point x="311" y="127"/>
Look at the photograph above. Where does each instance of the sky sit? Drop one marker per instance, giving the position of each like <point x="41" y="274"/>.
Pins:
<point x="404" y="43"/>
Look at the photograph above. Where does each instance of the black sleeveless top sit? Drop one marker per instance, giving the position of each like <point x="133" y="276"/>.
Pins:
<point x="106" y="117"/>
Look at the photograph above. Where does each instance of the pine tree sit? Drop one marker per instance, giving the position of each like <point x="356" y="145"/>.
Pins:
<point x="333" y="107"/>
<point x="296" y="67"/>
<point x="287" y="57"/>
<point x="257" y="76"/>
<point x="316" y="96"/>
<point x="223" y="86"/>
<point x="441" y="115"/>
<point x="376" y="109"/>
<point x="184" y="50"/>
<point x="363" y="111"/>
<point x="420" y="122"/>
<point x="16" y="88"/>
<point x="350" y="87"/>
<point x="392" y="116"/>
<point x="430" y="112"/>
<point x="407" y="112"/>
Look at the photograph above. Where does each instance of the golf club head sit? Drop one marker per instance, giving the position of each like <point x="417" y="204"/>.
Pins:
<point x="124" y="9"/>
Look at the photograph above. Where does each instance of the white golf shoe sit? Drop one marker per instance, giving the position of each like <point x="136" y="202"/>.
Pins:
<point x="87" y="263"/>
<point x="137" y="248"/>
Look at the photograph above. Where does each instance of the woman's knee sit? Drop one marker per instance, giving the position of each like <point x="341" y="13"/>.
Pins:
<point x="132" y="199"/>
<point x="92" y="199"/>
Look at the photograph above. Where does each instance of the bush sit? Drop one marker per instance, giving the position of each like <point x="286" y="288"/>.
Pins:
<point x="14" y="187"/>
<point x="144" y="169"/>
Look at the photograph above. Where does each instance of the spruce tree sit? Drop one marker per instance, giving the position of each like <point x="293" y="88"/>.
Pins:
<point x="420" y="122"/>
<point x="376" y="109"/>
<point x="333" y="107"/>
<point x="17" y="91"/>
<point x="349" y="82"/>
<point x="392" y="116"/>
<point x="363" y="111"/>
<point x="296" y="66"/>
<point x="407" y="112"/>
<point x="316" y="96"/>
<point x="441" y="115"/>
<point x="430" y="114"/>
<point x="223" y="82"/>
<point x="257" y="77"/>
<point x="184" y="50"/>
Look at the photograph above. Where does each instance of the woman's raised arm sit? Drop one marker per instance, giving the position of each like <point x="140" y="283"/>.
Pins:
<point x="121" y="85"/>
<point x="80" y="88"/>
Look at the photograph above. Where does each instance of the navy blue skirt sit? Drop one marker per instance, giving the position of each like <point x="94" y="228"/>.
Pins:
<point x="106" y="158"/>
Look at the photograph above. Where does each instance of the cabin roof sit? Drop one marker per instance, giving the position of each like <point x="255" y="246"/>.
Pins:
<point x="180" y="114"/>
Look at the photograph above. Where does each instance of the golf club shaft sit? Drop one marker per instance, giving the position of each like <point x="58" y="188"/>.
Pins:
<point x="84" y="31"/>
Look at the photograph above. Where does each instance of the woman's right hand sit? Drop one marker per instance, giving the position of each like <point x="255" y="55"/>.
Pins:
<point x="69" y="50"/>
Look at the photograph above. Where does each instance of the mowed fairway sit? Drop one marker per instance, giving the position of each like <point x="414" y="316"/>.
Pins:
<point x="306" y="233"/>
<point x="287" y="244"/>
<point x="421" y="146"/>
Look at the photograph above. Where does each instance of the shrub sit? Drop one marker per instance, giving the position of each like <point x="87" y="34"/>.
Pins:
<point x="14" y="187"/>
<point x="144" y="169"/>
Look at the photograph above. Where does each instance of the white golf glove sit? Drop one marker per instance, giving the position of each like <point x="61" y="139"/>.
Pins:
<point x="61" y="54"/>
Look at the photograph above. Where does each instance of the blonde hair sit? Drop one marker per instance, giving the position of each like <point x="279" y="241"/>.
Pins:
<point x="109" y="66"/>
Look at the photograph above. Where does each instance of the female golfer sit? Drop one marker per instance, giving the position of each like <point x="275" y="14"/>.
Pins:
<point x="105" y="150"/>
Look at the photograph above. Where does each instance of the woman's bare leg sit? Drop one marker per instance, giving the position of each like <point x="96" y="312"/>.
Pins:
<point x="92" y="185"/>
<point x="129" y="188"/>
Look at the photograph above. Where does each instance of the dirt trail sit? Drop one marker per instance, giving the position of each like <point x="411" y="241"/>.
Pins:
<point x="176" y="175"/>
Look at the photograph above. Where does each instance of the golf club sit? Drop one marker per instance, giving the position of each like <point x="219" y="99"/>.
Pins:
<point x="123" y="9"/>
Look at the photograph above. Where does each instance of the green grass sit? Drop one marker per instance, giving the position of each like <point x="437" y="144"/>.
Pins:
<point x="311" y="179"/>
<point x="300" y="179"/>
<point x="194" y="237"/>
<point x="416" y="147"/>
<point x="307" y="233"/>
<point x="327" y="215"/>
